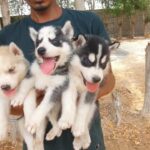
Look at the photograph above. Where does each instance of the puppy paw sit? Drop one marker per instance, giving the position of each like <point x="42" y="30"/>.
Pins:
<point x="81" y="142"/>
<point x="17" y="101"/>
<point x="86" y="143"/>
<point x="77" y="145"/>
<point x="38" y="144"/>
<point x="32" y="126"/>
<point x="78" y="130"/>
<point x="65" y="123"/>
<point x="54" y="132"/>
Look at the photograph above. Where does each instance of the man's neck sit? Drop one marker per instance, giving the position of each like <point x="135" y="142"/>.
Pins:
<point x="50" y="14"/>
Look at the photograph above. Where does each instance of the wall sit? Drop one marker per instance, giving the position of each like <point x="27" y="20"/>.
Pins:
<point x="112" y="24"/>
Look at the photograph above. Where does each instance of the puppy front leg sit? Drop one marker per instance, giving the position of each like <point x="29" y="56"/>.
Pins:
<point x="29" y="105"/>
<point x="83" y="109"/>
<point x="86" y="139"/>
<point x="83" y="141"/>
<point x="28" y="138"/>
<point x="41" y="111"/>
<point x="4" y="114"/>
<point x="26" y="85"/>
<point x="29" y="108"/>
<point x="55" y="131"/>
<point x="69" y="98"/>
<point x="39" y="137"/>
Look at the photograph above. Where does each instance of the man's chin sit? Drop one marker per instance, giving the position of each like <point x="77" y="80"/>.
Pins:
<point x="40" y="8"/>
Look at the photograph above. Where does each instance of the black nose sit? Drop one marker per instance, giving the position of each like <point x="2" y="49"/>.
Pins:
<point x="96" y="79"/>
<point x="41" y="51"/>
<point x="5" y="87"/>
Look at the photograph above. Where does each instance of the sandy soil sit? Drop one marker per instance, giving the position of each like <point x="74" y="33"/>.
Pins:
<point x="133" y="132"/>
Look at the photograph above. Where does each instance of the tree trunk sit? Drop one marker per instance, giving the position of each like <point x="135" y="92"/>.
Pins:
<point x="132" y="22"/>
<point x="60" y="3"/>
<point x="93" y="4"/>
<point x="5" y="12"/>
<point x="146" y="106"/>
<point x="120" y="22"/>
<point x="79" y="4"/>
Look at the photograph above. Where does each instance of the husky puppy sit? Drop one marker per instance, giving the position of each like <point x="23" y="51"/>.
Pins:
<point x="13" y="69"/>
<point x="49" y="72"/>
<point x="88" y="67"/>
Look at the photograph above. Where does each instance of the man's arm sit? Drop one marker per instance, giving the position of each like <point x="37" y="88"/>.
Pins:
<point x="107" y="85"/>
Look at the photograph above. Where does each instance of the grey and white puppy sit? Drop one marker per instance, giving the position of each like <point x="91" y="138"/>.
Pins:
<point x="88" y="68"/>
<point x="49" y="72"/>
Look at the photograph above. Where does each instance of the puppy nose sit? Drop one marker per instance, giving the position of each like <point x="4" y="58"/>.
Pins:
<point x="41" y="51"/>
<point x="5" y="87"/>
<point x="96" y="79"/>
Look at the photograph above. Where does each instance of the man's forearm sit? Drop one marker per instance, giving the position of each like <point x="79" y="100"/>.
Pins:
<point x="107" y="85"/>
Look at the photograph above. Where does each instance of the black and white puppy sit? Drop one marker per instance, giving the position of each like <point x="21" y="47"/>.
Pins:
<point x="88" y="67"/>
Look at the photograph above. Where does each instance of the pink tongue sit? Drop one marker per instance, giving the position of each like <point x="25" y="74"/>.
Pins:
<point x="48" y="65"/>
<point x="10" y="92"/>
<point x="92" y="87"/>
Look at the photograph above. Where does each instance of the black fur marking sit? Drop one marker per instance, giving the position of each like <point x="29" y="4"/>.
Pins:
<point x="28" y="75"/>
<point x="86" y="62"/>
<point x="59" y="39"/>
<point x="57" y="92"/>
<point x="90" y="97"/>
<point x="58" y="32"/>
<point x="92" y="46"/>
<point x="103" y="65"/>
<point x="63" y="70"/>
<point x="105" y="52"/>
<point x="56" y="42"/>
<point x="38" y="41"/>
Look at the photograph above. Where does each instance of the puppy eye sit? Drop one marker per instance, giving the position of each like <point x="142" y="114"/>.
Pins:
<point x="11" y="70"/>
<point x="85" y="61"/>
<point x="103" y="65"/>
<point x="38" y="41"/>
<point x="103" y="62"/>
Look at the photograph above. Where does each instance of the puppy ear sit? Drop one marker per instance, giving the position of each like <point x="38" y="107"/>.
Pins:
<point x="15" y="49"/>
<point x="79" y="41"/>
<point x="33" y="34"/>
<point x="68" y="30"/>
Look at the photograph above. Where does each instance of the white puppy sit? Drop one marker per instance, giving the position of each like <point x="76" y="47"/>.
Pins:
<point x="13" y="69"/>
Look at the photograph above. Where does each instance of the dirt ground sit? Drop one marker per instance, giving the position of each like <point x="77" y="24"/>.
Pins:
<point x="133" y="131"/>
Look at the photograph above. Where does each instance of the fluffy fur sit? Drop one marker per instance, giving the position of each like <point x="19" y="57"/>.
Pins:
<point x="13" y="69"/>
<point x="49" y="72"/>
<point x="88" y="67"/>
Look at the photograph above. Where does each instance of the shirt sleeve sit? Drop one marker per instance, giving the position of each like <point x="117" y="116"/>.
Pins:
<point x="2" y="37"/>
<point x="98" y="27"/>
